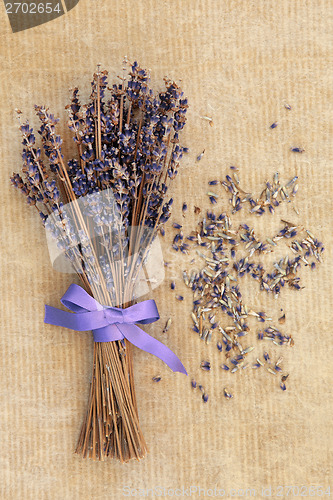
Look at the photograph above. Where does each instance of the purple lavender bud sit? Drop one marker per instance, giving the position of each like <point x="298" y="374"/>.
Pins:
<point x="205" y="397"/>
<point x="297" y="150"/>
<point x="205" y="365"/>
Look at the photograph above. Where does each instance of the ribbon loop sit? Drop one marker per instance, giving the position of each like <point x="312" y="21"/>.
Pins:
<point x="111" y="323"/>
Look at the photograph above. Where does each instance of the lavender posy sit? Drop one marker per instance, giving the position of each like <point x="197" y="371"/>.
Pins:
<point x="104" y="208"/>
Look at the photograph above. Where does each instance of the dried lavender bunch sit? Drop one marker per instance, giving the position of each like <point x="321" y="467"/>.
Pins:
<point x="104" y="208"/>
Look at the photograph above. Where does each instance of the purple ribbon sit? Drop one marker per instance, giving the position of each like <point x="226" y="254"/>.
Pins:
<point x="111" y="323"/>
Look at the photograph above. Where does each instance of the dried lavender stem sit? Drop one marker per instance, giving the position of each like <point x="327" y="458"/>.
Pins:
<point x="99" y="134"/>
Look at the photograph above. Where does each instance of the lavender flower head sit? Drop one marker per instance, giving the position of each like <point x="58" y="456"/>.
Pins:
<point x="104" y="207"/>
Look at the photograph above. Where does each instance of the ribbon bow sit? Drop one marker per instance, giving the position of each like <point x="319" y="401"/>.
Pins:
<point x="111" y="323"/>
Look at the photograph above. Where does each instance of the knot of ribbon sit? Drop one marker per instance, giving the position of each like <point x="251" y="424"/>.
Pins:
<point x="111" y="323"/>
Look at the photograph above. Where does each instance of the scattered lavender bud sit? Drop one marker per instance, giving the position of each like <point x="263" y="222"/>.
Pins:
<point x="227" y="394"/>
<point x="282" y="319"/>
<point x="200" y="155"/>
<point x="167" y="325"/>
<point x="205" y="365"/>
<point x="266" y="357"/>
<point x="297" y="150"/>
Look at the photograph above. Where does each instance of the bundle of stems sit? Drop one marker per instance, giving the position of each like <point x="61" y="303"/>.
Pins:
<point x="104" y="209"/>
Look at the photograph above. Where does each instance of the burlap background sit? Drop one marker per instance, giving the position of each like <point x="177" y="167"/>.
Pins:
<point x="239" y="62"/>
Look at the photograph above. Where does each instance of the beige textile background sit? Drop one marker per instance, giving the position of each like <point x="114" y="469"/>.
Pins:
<point x="239" y="62"/>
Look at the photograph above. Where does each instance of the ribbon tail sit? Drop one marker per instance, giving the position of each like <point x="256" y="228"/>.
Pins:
<point x="141" y="339"/>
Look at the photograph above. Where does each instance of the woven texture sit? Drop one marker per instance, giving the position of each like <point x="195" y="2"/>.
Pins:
<point x="239" y="62"/>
